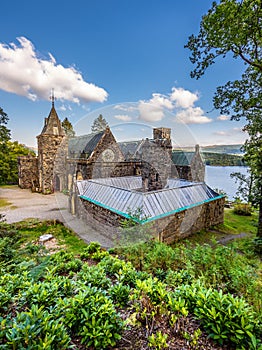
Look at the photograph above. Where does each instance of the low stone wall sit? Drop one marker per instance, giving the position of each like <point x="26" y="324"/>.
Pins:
<point x="28" y="172"/>
<point x="167" y="229"/>
<point x="186" y="222"/>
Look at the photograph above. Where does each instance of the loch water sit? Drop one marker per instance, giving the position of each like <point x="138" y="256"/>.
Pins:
<point x="218" y="177"/>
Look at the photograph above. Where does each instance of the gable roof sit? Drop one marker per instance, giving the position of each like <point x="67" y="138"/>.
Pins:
<point x="83" y="145"/>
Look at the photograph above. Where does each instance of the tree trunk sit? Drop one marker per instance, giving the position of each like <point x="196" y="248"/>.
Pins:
<point x="259" y="229"/>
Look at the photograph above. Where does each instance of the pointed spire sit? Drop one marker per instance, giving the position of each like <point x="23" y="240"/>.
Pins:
<point x="53" y="124"/>
<point x="52" y="97"/>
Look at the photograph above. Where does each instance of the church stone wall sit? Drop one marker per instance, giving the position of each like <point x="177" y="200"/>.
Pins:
<point x="28" y="172"/>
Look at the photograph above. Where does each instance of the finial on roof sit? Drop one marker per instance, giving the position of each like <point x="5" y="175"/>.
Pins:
<point x="52" y="97"/>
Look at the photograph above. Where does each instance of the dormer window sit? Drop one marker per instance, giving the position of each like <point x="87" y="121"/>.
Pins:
<point x="55" y="130"/>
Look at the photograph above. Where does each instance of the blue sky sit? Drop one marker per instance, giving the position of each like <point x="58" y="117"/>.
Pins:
<point x="122" y="58"/>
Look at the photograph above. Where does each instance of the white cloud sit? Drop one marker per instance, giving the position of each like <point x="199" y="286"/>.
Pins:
<point x="223" y="117"/>
<point x="240" y="130"/>
<point x="222" y="133"/>
<point x="180" y="101"/>
<point x="124" y="117"/>
<point x="126" y="108"/>
<point x="230" y="132"/>
<point x="183" y="98"/>
<point x="24" y="73"/>
<point x="153" y="110"/>
<point x="192" y="115"/>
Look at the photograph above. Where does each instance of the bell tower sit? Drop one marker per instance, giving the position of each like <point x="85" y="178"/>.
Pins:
<point x="48" y="143"/>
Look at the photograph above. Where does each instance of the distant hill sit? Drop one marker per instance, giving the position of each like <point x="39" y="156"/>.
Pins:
<point x="220" y="155"/>
<point x="227" y="149"/>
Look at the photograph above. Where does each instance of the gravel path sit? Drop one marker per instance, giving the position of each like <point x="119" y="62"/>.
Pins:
<point x="24" y="205"/>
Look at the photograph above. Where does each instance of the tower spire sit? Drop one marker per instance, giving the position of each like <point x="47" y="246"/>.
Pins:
<point x="52" y="97"/>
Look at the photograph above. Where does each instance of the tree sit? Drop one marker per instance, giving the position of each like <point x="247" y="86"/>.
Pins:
<point x="68" y="127"/>
<point x="9" y="152"/>
<point x="4" y="131"/>
<point x="100" y="124"/>
<point x="235" y="27"/>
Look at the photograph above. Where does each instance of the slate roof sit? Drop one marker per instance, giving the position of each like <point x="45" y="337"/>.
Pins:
<point x="83" y="145"/>
<point x="182" y="158"/>
<point x="121" y="195"/>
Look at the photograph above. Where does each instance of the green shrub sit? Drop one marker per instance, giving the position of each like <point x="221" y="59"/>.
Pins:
<point x="92" y="316"/>
<point x="93" y="276"/>
<point x="226" y="318"/>
<point x="257" y="245"/>
<point x="35" y="329"/>
<point x="120" y="294"/>
<point x="244" y="209"/>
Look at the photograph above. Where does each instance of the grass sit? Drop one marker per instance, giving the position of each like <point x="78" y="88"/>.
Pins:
<point x="233" y="224"/>
<point x="32" y="229"/>
<point x="4" y="203"/>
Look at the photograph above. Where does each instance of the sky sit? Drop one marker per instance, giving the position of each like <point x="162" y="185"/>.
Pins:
<point x="124" y="59"/>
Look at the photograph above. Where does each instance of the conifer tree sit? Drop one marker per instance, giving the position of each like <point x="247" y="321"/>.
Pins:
<point x="100" y="124"/>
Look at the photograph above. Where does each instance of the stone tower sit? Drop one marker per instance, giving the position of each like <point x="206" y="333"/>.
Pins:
<point x="48" y="143"/>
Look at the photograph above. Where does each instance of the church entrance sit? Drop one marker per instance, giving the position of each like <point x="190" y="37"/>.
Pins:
<point x="56" y="183"/>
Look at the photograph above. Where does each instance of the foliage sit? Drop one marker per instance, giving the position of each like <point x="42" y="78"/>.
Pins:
<point x="234" y="27"/>
<point x="223" y="159"/>
<point x="244" y="209"/>
<point x="57" y="301"/>
<point x="99" y="124"/>
<point x="68" y="127"/>
<point x="4" y="131"/>
<point x="91" y="315"/>
<point x="257" y="243"/>
<point x="9" y="152"/>
<point x="225" y="317"/>
<point x="34" y="329"/>
<point x="158" y="340"/>
<point x="9" y="162"/>
<point x="229" y="27"/>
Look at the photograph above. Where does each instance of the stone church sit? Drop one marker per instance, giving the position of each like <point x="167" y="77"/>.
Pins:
<point x="107" y="180"/>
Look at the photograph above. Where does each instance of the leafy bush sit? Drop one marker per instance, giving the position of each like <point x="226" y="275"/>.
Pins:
<point x="120" y="294"/>
<point x="225" y="317"/>
<point x="257" y="245"/>
<point x="91" y="315"/>
<point x="244" y="209"/>
<point x="35" y="329"/>
<point x="93" y="276"/>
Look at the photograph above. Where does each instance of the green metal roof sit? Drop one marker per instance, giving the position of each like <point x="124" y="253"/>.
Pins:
<point x="124" y="196"/>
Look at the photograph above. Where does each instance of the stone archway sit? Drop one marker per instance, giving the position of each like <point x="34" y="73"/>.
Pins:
<point x="57" y="183"/>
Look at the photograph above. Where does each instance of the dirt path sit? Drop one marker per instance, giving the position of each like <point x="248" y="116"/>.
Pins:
<point x="24" y="205"/>
<point x="228" y="237"/>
